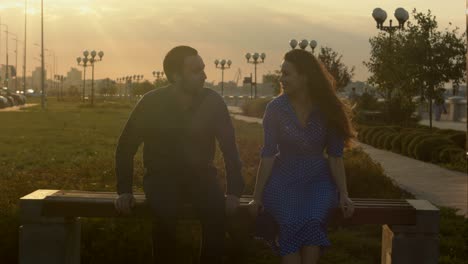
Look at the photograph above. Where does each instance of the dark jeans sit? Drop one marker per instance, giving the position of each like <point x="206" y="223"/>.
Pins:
<point x="167" y="194"/>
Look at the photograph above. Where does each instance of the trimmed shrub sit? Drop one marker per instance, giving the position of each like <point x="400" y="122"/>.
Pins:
<point x="425" y="148"/>
<point x="382" y="138"/>
<point x="451" y="153"/>
<point x="376" y="135"/>
<point x="396" y="143"/>
<point x="411" y="146"/>
<point x="459" y="139"/>
<point x="389" y="139"/>
<point x="406" y="139"/>
<point x="369" y="134"/>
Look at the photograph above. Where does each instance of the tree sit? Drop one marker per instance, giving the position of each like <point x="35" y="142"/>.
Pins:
<point x="333" y="62"/>
<point x="107" y="87"/>
<point x="142" y="88"/>
<point x="440" y="55"/>
<point x="415" y="61"/>
<point x="273" y="77"/>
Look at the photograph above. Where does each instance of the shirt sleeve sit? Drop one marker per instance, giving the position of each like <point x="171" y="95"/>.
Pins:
<point x="335" y="143"/>
<point x="128" y="143"/>
<point x="227" y="143"/>
<point x="270" y="132"/>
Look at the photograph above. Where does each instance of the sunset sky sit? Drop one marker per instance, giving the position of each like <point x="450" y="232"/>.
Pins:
<point x="135" y="35"/>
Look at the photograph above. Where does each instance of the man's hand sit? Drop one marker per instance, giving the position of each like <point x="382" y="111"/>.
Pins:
<point x="232" y="203"/>
<point x="124" y="203"/>
<point x="254" y="207"/>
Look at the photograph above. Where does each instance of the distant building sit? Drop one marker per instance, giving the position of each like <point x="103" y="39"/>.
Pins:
<point x="73" y="78"/>
<point x="36" y="79"/>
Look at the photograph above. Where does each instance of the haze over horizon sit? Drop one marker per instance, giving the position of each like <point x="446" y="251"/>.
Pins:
<point x="135" y="36"/>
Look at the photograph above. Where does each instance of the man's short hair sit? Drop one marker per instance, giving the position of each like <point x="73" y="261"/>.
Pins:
<point x="174" y="60"/>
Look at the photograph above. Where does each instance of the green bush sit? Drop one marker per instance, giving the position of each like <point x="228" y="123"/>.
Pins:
<point x="362" y="132"/>
<point x="370" y="134"/>
<point x="406" y="139"/>
<point x="380" y="141"/>
<point x="396" y="143"/>
<point x="459" y="139"/>
<point x="375" y="137"/>
<point x="451" y="154"/>
<point x="425" y="148"/>
<point x="413" y="143"/>
<point x="389" y="139"/>
<point x="255" y="107"/>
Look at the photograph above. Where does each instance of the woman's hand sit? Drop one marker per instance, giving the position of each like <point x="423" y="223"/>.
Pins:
<point x="255" y="206"/>
<point x="347" y="206"/>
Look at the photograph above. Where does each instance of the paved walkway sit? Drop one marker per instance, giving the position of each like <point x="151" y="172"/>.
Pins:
<point x="461" y="126"/>
<point x="16" y="108"/>
<point x="426" y="181"/>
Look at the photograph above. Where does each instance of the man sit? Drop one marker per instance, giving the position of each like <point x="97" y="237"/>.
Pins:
<point x="178" y="125"/>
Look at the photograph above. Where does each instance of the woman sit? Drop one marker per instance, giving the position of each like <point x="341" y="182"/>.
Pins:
<point x="296" y="183"/>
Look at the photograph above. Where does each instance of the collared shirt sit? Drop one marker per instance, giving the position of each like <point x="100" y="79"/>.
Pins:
<point x="177" y="141"/>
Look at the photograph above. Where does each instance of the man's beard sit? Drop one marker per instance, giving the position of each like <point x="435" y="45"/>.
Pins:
<point x="188" y="89"/>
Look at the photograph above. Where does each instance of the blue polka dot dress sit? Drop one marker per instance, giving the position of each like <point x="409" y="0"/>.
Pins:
<point x="300" y="192"/>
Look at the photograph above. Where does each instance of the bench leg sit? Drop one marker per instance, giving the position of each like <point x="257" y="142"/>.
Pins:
<point x="50" y="240"/>
<point x="54" y="243"/>
<point x="413" y="244"/>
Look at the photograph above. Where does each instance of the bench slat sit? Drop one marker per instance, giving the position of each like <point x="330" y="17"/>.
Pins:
<point x="101" y="204"/>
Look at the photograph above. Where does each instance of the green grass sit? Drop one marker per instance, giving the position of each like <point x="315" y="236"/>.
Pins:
<point x="71" y="146"/>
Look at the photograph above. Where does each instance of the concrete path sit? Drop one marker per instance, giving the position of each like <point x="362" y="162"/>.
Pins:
<point x="461" y="126"/>
<point x="16" y="108"/>
<point x="426" y="181"/>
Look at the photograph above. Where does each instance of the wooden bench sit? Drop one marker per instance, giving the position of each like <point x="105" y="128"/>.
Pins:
<point x="50" y="226"/>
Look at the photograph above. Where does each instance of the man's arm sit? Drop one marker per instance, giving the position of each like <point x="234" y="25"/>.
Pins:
<point x="127" y="146"/>
<point x="227" y="143"/>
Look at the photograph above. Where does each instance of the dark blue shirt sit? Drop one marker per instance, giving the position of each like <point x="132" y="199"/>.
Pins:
<point x="178" y="142"/>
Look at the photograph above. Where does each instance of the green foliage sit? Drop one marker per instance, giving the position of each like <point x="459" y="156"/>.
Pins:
<point x="406" y="139"/>
<point x="333" y="62"/>
<point x="273" y="77"/>
<point x="255" y="107"/>
<point x="415" y="61"/>
<point x="389" y="140"/>
<point x="414" y="142"/>
<point x="451" y="153"/>
<point x="396" y="143"/>
<point x="427" y="146"/>
<point x="459" y="139"/>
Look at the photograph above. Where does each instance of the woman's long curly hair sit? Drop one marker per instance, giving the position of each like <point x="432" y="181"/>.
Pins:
<point x="322" y="90"/>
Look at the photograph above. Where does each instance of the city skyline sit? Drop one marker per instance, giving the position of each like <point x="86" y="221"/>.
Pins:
<point x="135" y="37"/>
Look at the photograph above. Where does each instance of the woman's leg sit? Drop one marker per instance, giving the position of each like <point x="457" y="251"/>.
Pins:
<point x="294" y="258"/>
<point x="310" y="254"/>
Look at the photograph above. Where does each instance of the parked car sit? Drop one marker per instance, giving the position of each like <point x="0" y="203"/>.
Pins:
<point x="3" y="102"/>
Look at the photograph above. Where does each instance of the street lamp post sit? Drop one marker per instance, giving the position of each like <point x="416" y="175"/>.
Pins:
<point x="255" y="60"/>
<point x="60" y="79"/>
<point x="24" y="55"/>
<point x="303" y="44"/>
<point x="380" y="16"/>
<point x="222" y="65"/>
<point x="93" y="60"/>
<point x="6" y="82"/>
<point x="84" y="63"/>
<point x="158" y="74"/>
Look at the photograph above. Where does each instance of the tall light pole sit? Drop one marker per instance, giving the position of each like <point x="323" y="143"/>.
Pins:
<point x="43" y="97"/>
<point x="402" y="16"/>
<point x="84" y="63"/>
<point x="255" y="61"/>
<point x="93" y="60"/>
<point x="303" y="44"/>
<point x="222" y="65"/>
<point x="6" y="55"/>
<point x="16" y="63"/>
<point x="24" y="55"/>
